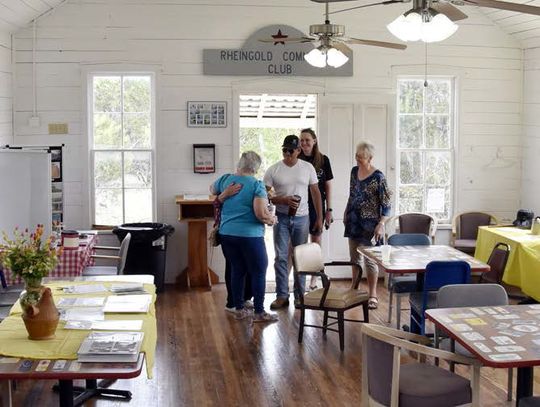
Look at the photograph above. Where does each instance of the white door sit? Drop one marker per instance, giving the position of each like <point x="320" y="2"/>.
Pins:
<point x="342" y="124"/>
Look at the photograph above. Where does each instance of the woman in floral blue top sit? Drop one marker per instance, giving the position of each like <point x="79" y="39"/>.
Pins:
<point x="367" y="209"/>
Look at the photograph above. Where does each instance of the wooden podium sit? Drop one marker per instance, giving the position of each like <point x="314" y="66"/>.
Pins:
<point x="197" y="211"/>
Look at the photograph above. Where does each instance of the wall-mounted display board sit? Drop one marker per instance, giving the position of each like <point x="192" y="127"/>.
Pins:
<point x="57" y="170"/>
<point x="204" y="158"/>
<point x="207" y="114"/>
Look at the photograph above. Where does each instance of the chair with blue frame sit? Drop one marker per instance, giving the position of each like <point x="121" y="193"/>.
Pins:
<point x="437" y="275"/>
<point x="403" y="284"/>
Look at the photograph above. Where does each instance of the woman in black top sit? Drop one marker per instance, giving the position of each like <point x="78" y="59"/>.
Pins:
<point x="310" y="153"/>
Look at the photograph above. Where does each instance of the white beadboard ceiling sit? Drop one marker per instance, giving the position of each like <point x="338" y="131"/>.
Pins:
<point x="17" y="14"/>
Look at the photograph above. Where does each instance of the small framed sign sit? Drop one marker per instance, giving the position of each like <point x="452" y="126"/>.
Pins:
<point x="207" y="114"/>
<point x="204" y="158"/>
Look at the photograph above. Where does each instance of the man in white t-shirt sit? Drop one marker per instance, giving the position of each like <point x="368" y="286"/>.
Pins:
<point x="291" y="178"/>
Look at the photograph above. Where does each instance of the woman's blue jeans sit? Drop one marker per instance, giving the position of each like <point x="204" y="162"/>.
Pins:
<point x="293" y="230"/>
<point x="248" y="259"/>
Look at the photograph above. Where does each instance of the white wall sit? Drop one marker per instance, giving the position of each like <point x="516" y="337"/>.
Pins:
<point x="6" y="90"/>
<point x="169" y="38"/>
<point x="531" y="131"/>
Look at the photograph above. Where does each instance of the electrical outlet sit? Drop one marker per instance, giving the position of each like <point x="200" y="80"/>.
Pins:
<point x="58" y="128"/>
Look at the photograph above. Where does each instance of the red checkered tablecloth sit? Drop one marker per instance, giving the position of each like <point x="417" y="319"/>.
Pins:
<point x="71" y="262"/>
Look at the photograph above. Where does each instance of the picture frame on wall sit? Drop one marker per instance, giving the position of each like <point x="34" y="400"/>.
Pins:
<point x="204" y="158"/>
<point x="206" y="114"/>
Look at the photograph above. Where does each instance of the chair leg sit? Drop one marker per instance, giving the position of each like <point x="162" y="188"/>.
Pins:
<point x="301" y="327"/>
<point x="325" y="322"/>
<point x="398" y="312"/>
<point x="365" y="308"/>
<point x="341" y="329"/>
<point x="509" y="386"/>
<point x="390" y="300"/>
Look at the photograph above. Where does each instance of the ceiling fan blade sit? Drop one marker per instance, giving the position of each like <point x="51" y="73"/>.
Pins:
<point x="299" y="39"/>
<point x="453" y="13"/>
<point x="384" y="3"/>
<point x="341" y="47"/>
<point x="383" y="44"/>
<point x="504" y="5"/>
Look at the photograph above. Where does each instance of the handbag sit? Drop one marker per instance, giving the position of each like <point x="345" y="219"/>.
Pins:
<point x="214" y="237"/>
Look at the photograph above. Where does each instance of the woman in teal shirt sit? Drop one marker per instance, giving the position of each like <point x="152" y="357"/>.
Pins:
<point x="243" y="217"/>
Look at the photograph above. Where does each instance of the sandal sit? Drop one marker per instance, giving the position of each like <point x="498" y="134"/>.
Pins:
<point x="373" y="303"/>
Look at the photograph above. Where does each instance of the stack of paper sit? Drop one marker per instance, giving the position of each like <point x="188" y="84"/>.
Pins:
<point x="111" y="347"/>
<point x="112" y="325"/>
<point x="82" y="314"/>
<point x="128" y="303"/>
<point x="128" y="288"/>
<point x="80" y="302"/>
<point x="85" y="289"/>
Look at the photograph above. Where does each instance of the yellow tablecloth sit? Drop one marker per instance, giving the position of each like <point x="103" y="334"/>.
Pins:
<point x="523" y="267"/>
<point x="14" y="340"/>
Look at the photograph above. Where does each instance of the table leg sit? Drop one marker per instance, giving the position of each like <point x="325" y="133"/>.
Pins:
<point x="65" y="388"/>
<point x="524" y="383"/>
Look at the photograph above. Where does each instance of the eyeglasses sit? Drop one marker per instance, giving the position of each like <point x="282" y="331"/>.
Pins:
<point x="287" y="150"/>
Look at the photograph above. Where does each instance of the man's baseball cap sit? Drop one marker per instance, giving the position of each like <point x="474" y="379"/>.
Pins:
<point x="291" y="141"/>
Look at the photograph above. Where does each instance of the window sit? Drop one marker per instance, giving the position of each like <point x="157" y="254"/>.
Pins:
<point x="425" y="147"/>
<point x="121" y="124"/>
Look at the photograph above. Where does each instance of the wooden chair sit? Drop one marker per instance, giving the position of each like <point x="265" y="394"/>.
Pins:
<point x="413" y="222"/>
<point x="465" y="229"/>
<point x="307" y="260"/>
<point x="470" y="295"/>
<point x="110" y="270"/>
<point x="386" y="382"/>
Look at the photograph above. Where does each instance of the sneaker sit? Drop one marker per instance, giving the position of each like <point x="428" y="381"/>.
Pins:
<point x="230" y="309"/>
<point x="297" y="303"/>
<point x="248" y="304"/>
<point x="241" y="313"/>
<point x="265" y="317"/>
<point x="279" y="303"/>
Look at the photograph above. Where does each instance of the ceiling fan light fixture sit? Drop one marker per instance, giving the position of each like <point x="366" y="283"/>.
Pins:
<point x="428" y="26"/>
<point x="316" y="57"/>
<point x="336" y="58"/>
<point x="322" y="56"/>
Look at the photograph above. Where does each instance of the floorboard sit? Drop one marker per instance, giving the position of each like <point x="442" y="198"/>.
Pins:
<point x="205" y="357"/>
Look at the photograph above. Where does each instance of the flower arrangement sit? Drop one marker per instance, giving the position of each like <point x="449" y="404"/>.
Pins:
<point x="27" y="255"/>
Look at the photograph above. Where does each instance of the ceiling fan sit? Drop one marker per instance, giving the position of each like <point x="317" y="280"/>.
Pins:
<point x="447" y="6"/>
<point x="333" y="43"/>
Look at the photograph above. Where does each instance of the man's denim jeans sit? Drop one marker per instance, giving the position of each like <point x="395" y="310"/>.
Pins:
<point x="293" y="229"/>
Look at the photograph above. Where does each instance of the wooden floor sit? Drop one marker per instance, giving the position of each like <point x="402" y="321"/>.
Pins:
<point x="207" y="358"/>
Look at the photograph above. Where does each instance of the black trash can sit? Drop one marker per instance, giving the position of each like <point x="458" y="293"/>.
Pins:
<point x="147" y="251"/>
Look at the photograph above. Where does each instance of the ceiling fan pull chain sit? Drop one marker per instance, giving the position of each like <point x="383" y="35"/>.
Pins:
<point x="425" y="66"/>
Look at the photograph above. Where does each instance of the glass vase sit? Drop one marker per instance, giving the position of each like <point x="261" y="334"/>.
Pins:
<point x="32" y="292"/>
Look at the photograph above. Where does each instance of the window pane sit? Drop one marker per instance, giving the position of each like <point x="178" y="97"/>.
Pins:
<point x="137" y="130"/>
<point x="107" y="170"/>
<point x="410" y="168"/>
<point x="137" y="94"/>
<point x="438" y="168"/>
<point x="137" y="170"/>
<point x="437" y="132"/>
<point x="108" y="206"/>
<point x="138" y="205"/>
<point x="107" y="94"/>
<point x="410" y="198"/>
<point x="438" y="97"/>
<point x="410" y="131"/>
<point x="410" y="96"/>
<point x="107" y="130"/>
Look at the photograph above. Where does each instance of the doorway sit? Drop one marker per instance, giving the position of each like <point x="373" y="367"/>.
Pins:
<point x="264" y="121"/>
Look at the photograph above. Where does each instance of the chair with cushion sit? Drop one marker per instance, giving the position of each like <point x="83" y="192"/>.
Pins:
<point x="308" y="260"/>
<point x="402" y="284"/>
<point x="465" y="229"/>
<point x="437" y="275"/>
<point x="387" y="382"/>
<point x="470" y="295"/>
<point x="497" y="263"/>
<point x="110" y="270"/>
<point x="414" y="222"/>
